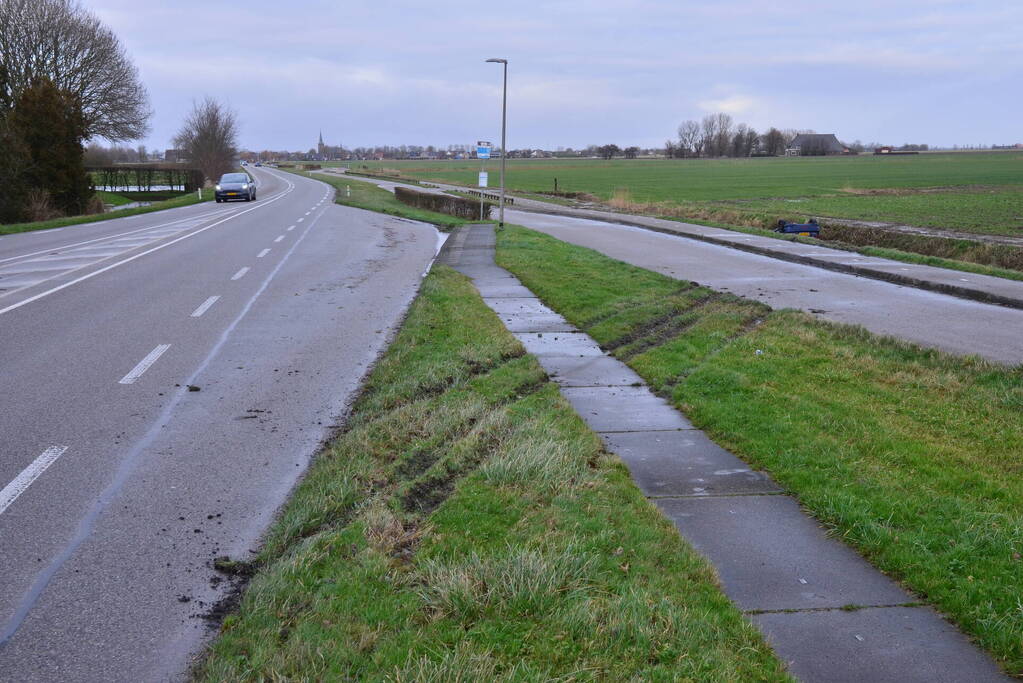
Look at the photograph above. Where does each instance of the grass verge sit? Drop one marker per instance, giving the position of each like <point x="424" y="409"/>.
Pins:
<point x="912" y="456"/>
<point x="366" y="195"/>
<point x="177" y="202"/>
<point x="467" y="526"/>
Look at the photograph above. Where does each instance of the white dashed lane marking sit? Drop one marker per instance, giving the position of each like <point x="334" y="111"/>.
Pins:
<point x="204" y="306"/>
<point x="144" y="364"/>
<point x="240" y="274"/>
<point x="263" y="253"/>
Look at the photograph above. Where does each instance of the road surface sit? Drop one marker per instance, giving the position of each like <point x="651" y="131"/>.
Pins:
<point x="166" y="379"/>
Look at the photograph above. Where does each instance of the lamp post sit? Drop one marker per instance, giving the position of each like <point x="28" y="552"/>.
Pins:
<point x="504" y="120"/>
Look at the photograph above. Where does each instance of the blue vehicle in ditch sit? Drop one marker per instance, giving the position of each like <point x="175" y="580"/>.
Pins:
<point x="809" y="229"/>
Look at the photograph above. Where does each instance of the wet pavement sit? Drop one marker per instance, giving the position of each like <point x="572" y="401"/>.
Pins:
<point x="828" y="614"/>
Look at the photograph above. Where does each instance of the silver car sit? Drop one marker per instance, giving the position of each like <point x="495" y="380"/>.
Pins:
<point x="235" y="186"/>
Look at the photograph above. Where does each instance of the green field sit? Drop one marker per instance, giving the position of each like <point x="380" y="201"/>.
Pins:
<point x="981" y="192"/>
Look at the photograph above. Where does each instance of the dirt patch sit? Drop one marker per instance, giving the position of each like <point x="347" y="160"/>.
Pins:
<point x="906" y="191"/>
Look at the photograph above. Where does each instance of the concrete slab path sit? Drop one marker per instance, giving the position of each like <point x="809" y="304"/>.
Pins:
<point x="828" y="614"/>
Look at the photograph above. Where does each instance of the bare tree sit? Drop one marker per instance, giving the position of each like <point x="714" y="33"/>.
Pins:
<point x="774" y="142"/>
<point x="724" y="133"/>
<point x="709" y="135"/>
<point x="61" y="40"/>
<point x="689" y="138"/>
<point x="210" y="137"/>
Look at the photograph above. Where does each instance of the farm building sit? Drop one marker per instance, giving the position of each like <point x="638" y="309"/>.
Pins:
<point x="815" y="144"/>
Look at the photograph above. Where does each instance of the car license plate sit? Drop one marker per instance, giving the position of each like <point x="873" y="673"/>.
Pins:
<point x="231" y="194"/>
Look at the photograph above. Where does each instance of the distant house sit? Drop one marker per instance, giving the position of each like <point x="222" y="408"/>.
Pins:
<point x="175" y="156"/>
<point x="816" y="144"/>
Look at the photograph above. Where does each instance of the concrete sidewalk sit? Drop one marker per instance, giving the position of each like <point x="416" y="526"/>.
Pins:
<point x="828" y="613"/>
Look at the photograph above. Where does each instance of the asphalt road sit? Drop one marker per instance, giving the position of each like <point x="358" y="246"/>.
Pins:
<point x="119" y="483"/>
<point x="930" y="319"/>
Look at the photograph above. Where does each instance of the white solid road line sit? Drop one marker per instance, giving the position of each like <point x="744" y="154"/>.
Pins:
<point x="28" y="475"/>
<point x="205" y="306"/>
<point x="144" y="364"/>
<point x="282" y="237"/>
<point x="263" y="253"/>
<point x="240" y="274"/>
<point x="94" y="273"/>
<point x="103" y="239"/>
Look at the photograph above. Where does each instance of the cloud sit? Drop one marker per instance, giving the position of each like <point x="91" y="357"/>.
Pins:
<point x="579" y="72"/>
<point x="733" y="104"/>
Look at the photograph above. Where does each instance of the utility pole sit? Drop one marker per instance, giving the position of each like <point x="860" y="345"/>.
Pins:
<point x="504" y="129"/>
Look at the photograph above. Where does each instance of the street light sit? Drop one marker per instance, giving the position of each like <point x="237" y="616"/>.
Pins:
<point x="504" y="120"/>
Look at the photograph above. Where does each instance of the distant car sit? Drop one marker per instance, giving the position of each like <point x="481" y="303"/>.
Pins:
<point x="235" y="186"/>
<point x="258" y="164"/>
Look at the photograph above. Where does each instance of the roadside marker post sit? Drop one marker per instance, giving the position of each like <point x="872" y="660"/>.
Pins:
<point x="482" y="153"/>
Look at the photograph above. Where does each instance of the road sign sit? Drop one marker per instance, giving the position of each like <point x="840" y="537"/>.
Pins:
<point x="483" y="179"/>
<point x="482" y="152"/>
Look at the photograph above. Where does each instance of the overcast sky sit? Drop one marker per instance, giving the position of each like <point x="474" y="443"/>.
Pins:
<point x="629" y="71"/>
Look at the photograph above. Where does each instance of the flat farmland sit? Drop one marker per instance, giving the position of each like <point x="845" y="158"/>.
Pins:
<point x="980" y="192"/>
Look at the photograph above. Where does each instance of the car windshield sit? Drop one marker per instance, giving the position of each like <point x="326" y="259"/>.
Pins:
<point x="234" y="178"/>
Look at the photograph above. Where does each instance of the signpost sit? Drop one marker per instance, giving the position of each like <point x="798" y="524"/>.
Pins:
<point x="482" y="153"/>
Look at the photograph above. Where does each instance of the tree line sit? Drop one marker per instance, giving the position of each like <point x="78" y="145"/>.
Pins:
<point x="718" y="135"/>
<point x="64" y="79"/>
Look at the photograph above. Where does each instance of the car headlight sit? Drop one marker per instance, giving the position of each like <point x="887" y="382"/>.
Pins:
<point x="218" y="187"/>
<point x="245" y="186"/>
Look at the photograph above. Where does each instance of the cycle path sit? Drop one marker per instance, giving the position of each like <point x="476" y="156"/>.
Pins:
<point x="828" y="614"/>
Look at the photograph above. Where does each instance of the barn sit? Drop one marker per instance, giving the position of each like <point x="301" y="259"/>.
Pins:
<point x="815" y="144"/>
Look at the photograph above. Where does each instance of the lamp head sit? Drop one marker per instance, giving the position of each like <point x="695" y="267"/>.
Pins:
<point x="498" y="61"/>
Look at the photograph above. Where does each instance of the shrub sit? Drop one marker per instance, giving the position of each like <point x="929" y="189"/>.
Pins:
<point x="39" y="206"/>
<point x="443" y="203"/>
<point x="95" y="205"/>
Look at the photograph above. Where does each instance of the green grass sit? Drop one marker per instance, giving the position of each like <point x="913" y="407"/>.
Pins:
<point x="973" y="257"/>
<point x="986" y="197"/>
<point x="655" y="180"/>
<point x="113" y="198"/>
<point x="366" y="195"/>
<point x="468" y="527"/>
<point x="995" y="211"/>
<point x="912" y="456"/>
<point x="184" y="200"/>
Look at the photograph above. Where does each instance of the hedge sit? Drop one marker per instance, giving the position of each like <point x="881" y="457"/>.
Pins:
<point x="443" y="203"/>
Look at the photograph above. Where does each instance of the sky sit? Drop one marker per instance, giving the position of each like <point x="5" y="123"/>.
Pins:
<point x="629" y="72"/>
